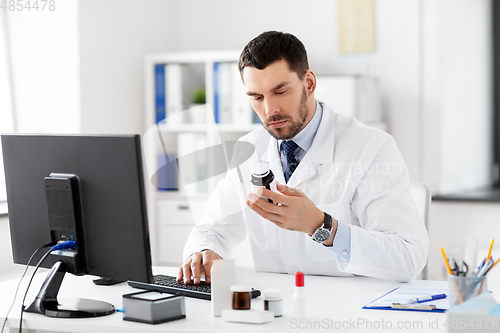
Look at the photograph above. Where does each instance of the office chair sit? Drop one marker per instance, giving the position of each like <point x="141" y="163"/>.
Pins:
<point x="422" y="197"/>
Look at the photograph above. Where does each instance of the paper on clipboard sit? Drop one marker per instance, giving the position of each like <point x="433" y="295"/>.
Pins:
<point x="406" y="292"/>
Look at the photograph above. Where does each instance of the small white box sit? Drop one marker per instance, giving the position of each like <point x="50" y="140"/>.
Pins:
<point x="152" y="307"/>
<point x="247" y="316"/>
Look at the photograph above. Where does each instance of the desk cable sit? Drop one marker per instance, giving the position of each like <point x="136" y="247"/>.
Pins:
<point x="49" y="244"/>
<point x="57" y="246"/>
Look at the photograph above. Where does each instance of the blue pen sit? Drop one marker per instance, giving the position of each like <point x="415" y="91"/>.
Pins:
<point x="427" y="298"/>
<point x="486" y="267"/>
<point x="479" y="267"/>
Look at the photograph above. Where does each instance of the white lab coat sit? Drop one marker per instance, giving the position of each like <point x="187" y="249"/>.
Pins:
<point x="351" y="171"/>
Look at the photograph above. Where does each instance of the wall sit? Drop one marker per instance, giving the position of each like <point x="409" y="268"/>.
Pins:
<point x="467" y="95"/>
<point x="80" y="67"/>
<point x="395" y="62"/>
<point x="457" y="94"/>
<point x="457" y="97"/>
<point x="44" y="54"/>
<point x="114" y="38"/>
<point x="7" y="123"/>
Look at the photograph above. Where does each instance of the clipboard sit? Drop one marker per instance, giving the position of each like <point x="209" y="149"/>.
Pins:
<point x="406" y="292"/>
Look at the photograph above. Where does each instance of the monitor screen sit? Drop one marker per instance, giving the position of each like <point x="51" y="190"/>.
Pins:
<point x="112" y="198"/>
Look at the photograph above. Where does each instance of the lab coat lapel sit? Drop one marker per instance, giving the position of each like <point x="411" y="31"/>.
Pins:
<point x="272" y="157"/>
<point x="321" y="151"/>
<point x="305" y="170"/>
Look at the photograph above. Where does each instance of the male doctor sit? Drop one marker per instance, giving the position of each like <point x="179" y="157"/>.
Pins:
<point x="346" y="208"/>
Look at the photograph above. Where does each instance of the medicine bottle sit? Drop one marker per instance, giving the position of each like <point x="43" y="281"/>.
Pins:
<point x="263" y="177"/>
<point x="273" y="301"/>
<point x="241" y="297"/>
<point x="299" y="297"/>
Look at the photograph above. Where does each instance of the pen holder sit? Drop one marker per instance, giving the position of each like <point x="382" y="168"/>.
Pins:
<point x="462" y="288"/>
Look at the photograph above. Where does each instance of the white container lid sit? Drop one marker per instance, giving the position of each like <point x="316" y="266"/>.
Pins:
<point x="260" y="168"/>
<point x="273" y="294"/>
<point x="241" y="289"/>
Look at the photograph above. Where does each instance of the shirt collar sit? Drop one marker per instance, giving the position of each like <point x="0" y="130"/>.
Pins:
<point x="305" y="137"/>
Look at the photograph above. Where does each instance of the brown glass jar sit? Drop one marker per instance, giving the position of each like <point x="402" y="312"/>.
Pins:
<point x="241" y="297"/>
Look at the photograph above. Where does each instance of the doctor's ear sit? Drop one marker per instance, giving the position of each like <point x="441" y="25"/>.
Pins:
<point x="310" y="82"/>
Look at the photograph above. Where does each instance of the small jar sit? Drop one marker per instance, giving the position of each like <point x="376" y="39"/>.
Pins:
<point x="241" y="297"/>
<point x="273" y="301"/>
<point x="263" y="177"/>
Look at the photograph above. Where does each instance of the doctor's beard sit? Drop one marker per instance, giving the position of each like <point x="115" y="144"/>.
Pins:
<point x="293" y="126"/>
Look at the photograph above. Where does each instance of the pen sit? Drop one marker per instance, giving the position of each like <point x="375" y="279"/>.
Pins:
<point x="489" y="269"/>
<point x="480" y="266"/>
<point x="427" y="298"/>
<point x="413" y="306"/>
<point x="459" y="294"/>
<point x="446" y="262"/>
<point x="487" y="265"/>
<point x="489" y="251"/>
<point x="496" y="262"/>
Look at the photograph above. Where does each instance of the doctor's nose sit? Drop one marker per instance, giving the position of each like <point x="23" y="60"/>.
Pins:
<point x="271" y="107"/>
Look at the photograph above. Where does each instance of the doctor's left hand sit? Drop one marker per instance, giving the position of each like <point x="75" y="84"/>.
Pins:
<point x="296" y="212"/>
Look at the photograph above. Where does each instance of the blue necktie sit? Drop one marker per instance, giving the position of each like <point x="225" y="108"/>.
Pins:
<point x="291" y="162"/>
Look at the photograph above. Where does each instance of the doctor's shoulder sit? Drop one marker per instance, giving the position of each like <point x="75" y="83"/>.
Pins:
<point x="350" y="131"/>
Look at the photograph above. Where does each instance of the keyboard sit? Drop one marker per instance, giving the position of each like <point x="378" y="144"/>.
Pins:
<point x="168" y="284"/>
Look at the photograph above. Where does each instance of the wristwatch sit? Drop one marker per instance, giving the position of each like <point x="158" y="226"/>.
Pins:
<point x="324" y="232"/>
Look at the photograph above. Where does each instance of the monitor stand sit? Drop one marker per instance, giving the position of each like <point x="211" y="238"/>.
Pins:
<point x="46" y="301"/>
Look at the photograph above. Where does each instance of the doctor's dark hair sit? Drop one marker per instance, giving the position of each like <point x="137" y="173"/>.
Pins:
<point x="271" y="46"/>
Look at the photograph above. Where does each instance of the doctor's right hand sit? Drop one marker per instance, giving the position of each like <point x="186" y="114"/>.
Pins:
<point x="198" y="265"/>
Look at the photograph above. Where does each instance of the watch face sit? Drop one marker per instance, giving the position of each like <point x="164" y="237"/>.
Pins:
<point x="321" y="235"/>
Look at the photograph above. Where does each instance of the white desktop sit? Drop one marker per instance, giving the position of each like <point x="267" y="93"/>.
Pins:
<point x="333" y="304"/>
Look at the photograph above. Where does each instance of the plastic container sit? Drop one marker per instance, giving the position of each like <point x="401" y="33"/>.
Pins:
<point x="273" y="301"/>
<point x="299" y="297"/>
<point x="263" y="177"/>
<point x="463" y="288"/>
<point x="222" y="278"/>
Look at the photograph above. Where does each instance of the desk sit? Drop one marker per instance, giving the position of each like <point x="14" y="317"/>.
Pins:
<point x="334" y="304"/>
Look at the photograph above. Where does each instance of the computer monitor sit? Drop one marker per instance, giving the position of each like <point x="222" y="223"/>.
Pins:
<point x="89" y="189"/>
